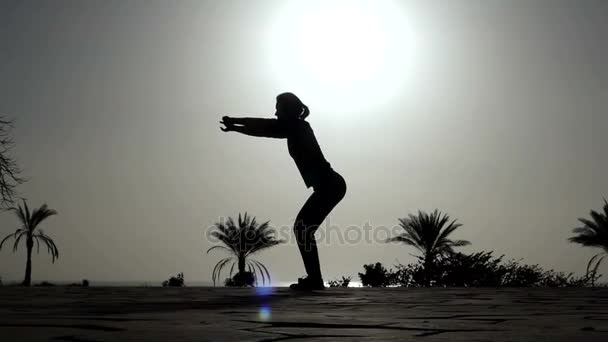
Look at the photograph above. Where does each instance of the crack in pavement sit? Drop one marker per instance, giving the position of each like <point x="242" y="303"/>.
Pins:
<point x="72" y="338"/>
<point x="70" y="326"/>
<point x="423" y="331"/>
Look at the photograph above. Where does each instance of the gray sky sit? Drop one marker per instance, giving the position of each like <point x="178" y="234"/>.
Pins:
<point x="497" y="116"/>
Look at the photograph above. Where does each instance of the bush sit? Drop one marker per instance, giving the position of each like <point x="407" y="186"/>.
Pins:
<point x="177" y="281"/>
<point x="411" y="275"/>
<point x="45" y="284"/>
<point x="521" y="275"/>
<point x="480" y="269"/>
<point x="240" y="280"/>
<point x="477" y="269"/>
<point x="560" y="279"/>
<point x="340" y="282"/>
<point x="84" y="283"/>
<point x="376" y="275"/>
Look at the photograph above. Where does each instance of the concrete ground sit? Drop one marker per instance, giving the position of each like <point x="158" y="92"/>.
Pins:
<point x="277" y="314"/>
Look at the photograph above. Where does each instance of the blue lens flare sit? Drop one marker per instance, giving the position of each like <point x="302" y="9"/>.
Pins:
<point x="265" y="313"/>
<point x="264" y="291"/>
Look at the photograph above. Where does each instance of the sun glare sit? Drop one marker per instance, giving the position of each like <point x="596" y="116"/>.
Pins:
<point x="339" y="51"/>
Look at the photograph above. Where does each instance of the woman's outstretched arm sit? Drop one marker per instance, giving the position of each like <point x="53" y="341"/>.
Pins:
<point x="257" y="127"/>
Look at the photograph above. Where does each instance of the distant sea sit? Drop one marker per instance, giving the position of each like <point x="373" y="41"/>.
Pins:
<point x="103" y="283"/>
<point x="143" y="283"/>
<point x="190" y="284"/>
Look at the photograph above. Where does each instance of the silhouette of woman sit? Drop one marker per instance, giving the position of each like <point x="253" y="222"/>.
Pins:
<point x="329" y="187"/>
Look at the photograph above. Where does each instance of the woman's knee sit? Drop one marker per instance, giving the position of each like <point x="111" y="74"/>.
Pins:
<point x="303" y="229"/>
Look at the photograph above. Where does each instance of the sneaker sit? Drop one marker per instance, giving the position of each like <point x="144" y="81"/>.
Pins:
<point x="308" y="284"/>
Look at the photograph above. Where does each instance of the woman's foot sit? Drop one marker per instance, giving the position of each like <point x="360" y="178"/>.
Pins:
<point x="308" y="284"/>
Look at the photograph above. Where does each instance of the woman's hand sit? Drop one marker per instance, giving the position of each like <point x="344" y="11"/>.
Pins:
<point x="228" y="123"/>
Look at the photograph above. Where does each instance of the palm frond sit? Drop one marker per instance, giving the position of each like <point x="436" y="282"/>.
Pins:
<point x="219" y="247"/>
<point x="218" y="269"/>
<point x="586" y="230"/>
<point x="413" y="232"/>
<point x="594" y="231"/>
<point x="17" y="239"/>
<point x="459" y="243"/>
<point x="404" y="239"/>
<point x="230" y="241"/>
<point x="50" y="244"/>
<point x="593" y="258"/>
<point x="597" y="265"/>
<point x="232" y="268"/>
<point x="413" y="227"/>
<point x="254" y="271"/>
<point x="37" y="244"/>
<point x="588" y="225"/>
<point x="585" y="240"/>
<point x="12" y="235"/>
<point x="263" y="270"/>
<point x="599" y="219"/>
<point x="21" y="216"/>
<point x="41" y="214"/>
<point x="449" y="230"/>
<point x="264" y="244"/>
<point x="26" y="213"/>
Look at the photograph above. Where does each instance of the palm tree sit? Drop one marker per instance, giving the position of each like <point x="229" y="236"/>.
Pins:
<point x="30" y="222"/>
<point x="243" y="239"/>
<point x="429" y="234"/>
<point x="593" y="233"/>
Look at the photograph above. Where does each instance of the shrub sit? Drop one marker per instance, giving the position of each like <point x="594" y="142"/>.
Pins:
<point x="340" y="282"/>
<point x="411" y="275"/>
<point x="480" y="269"/>
<point x="375" y="275"/>
<point x="560" y="279"/>
<point x="522" y="275"/>
<point x="477" y="269"/>
<point x="177" y="281"/>
<point x="240" y="280"/>
<point x="45" y="284"/>
<point x="84" y="283"/>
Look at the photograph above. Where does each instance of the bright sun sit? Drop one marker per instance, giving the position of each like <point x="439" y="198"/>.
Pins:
<point x="346" y="54"/>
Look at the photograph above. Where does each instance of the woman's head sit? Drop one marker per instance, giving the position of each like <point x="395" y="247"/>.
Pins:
<point x="289" y="106"/>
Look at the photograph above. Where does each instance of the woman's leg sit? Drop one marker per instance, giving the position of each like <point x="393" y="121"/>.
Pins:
<point x="313" y="213"/>
<point x="308" y="220"/>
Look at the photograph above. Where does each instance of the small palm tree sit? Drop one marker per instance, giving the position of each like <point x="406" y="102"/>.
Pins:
<point x="593" y="233"/>
<point x="429" y="234"/>
<point x="30" y="222"/>
<point x="243" y="239"/>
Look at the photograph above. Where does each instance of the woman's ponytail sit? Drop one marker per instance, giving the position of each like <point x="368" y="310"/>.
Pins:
<point x="305" y="112"/>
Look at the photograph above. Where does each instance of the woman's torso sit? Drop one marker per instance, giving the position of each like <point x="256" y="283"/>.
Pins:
<point x="306" y="152"/>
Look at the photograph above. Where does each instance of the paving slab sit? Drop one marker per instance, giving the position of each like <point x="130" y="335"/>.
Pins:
<point x="278" y="314"/>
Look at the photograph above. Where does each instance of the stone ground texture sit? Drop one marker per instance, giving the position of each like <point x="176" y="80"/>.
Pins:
<point x="278" y="314"/>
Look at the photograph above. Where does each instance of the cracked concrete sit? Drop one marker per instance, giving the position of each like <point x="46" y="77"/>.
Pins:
<point x="222" y="314"/>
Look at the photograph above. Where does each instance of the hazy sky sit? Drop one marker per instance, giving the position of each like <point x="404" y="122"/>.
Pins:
<point x="492" y="111"/>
